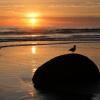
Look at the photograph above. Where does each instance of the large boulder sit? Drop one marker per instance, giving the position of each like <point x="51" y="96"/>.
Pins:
<point x="66" y="71"/>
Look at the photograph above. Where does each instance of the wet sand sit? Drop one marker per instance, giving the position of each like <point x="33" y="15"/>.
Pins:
<point x="18" y="64"/>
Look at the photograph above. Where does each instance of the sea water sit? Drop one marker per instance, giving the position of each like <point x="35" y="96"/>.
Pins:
<point x="20" y="59"/>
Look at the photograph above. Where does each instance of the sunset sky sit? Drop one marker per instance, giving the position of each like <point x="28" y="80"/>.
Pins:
<point x="42" y="13"/>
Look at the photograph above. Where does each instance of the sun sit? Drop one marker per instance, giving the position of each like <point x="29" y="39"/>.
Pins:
<point x="31" y="15"/>
<point x="32" y="19"/>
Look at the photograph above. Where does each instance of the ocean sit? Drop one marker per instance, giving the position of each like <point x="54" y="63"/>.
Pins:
<point x="21" y="55"/>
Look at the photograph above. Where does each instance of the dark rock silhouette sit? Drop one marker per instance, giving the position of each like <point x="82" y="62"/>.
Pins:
<point x="71" y="72"/>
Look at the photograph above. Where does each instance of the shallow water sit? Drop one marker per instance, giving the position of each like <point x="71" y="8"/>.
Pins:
<point x="18" y="64"/>
<point x="87" y="36"/>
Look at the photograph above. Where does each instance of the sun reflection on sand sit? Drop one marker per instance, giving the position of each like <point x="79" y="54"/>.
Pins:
<point x="33" y="66"/>
<point x="34" y="49"/>
<point x="31" y="93"/>
<point x="33" y="70"/>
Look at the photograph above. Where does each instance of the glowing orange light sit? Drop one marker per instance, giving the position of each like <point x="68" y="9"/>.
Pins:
<point x="32" y="15"/>
<point x="32" y="19"/>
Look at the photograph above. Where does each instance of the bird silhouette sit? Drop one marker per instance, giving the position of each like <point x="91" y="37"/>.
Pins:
<point x="73" y="49"/>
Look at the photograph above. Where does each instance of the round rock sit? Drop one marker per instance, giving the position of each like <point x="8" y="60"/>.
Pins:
<point x="66" y="71"/>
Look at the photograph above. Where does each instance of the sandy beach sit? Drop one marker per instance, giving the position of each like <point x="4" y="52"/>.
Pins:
<point x="18" y="64"/>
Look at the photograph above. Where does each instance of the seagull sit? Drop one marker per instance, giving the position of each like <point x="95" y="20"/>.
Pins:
<point x="73" y="49"/>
